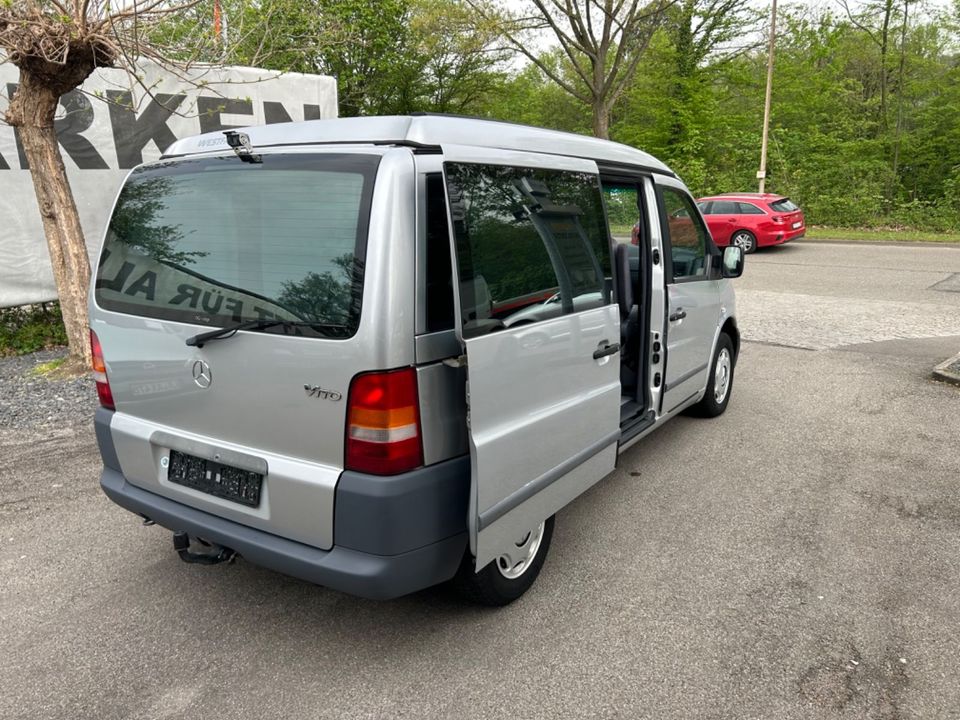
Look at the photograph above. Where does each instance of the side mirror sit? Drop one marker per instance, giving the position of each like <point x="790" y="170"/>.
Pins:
<point x="732" y="261"/>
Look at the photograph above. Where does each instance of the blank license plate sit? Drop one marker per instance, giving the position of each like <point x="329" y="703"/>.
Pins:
<point x="213" y="478"/>
<point x="796" y="225"/>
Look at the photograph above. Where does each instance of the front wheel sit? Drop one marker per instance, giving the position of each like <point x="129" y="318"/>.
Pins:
<point x="744" y="239"/>
<point x="510" y="575"/>
<point x="720" y="382"/>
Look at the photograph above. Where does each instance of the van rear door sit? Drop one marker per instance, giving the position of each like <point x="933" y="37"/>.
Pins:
<point x="205" y="243"/>
<point x="541" y="334"/>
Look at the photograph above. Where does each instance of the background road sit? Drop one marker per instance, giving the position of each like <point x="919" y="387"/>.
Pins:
<point x="798" y="557"/>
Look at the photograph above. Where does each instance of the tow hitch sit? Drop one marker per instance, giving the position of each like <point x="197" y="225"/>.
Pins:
<point x="211" y="554"/>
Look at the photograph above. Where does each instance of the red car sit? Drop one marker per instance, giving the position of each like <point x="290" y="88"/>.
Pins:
<point x="752" y="220"/>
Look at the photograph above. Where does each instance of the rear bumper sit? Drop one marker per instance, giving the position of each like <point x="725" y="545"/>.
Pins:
<point x="392" y="535"/>
<point x="379" y="577"/>
<point x="779" y="238"/>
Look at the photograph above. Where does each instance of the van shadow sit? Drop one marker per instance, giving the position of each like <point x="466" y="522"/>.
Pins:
<point x="242" y="600"/>
<point x="243" y="603"/>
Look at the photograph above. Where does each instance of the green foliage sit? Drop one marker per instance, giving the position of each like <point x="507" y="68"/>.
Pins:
<point x="621" y="207"/>
<point x="853" y="140"/>
<point x="30" y="328"/>
<point x="831" y="148"/>
<point x="390" y="56"/>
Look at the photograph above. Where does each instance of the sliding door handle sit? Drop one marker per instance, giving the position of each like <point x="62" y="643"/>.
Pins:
<point x="606" y="348"/>
<point x="680" y="314"/>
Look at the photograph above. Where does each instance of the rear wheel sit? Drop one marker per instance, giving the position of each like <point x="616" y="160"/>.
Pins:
<point x="510" y="575"/>
<point x="745" y="240"/>
<point x="720" y="382"/>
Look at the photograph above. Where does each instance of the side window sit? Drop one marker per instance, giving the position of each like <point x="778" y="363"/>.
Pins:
<point x="724" y="207"/>
<point x="623" y="212"/>
<point x="748" y="209"/>
<point x="704" y="207"/>
<point x="439" y="274"/>
<point x="532" y="244"/>
<point x="686" y="234"/>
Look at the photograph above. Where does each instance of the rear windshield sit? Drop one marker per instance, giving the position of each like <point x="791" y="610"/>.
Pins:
<point x="784" y="205"/>
<point x="217" y="241"/>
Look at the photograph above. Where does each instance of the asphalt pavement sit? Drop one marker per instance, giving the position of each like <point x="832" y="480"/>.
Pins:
<point x="794" y="558"/>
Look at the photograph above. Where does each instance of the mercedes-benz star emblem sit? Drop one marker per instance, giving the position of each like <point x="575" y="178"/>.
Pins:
<point x="202" y="374"/>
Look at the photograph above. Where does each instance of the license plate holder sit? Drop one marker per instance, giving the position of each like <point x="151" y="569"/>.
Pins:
<point x="797" y="224"/>
<point x="214" y="478"/>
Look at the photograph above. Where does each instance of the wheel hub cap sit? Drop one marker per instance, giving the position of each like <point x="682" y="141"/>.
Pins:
<point x="721" y="376"/>
<point x="515" y="562"/>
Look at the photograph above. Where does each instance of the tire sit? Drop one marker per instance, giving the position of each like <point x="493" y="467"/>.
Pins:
<point x="493" y="585"/>
<point x="719" y="382"/>
<point x="746" y="240"/>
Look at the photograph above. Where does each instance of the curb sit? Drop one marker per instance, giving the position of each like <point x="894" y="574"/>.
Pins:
<point x="948" y="371"/>
<point x="895" y="243"/>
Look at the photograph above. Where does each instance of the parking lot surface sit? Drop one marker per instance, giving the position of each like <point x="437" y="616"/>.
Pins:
<point x="798" y="557"/>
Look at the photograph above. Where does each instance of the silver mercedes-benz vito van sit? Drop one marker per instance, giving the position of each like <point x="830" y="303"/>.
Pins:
<point x="381" y="353"/>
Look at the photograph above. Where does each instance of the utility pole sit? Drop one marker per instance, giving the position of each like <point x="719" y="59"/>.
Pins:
<point x="762" y="175"/>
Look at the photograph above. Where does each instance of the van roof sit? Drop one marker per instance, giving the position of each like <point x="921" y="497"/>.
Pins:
<point x="428" y="131"/>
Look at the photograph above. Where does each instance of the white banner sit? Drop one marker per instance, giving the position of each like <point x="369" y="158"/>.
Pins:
<point x="110" y="126"/>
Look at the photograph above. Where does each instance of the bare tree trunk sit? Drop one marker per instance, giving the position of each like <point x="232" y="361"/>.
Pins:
<point x="601" y="120"/>
<point x="32" y="112"/>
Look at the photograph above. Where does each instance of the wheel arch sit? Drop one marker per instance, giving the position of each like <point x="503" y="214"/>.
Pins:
<point x="730" y="328"/>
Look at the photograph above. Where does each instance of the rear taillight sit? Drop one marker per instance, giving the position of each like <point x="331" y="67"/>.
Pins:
<point x="100" y="373"/>
<point x="383" y="423"/>
<point x="777" y="219"/>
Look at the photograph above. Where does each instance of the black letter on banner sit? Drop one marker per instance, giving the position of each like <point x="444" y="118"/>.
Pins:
<point x="131" y="133"/>
<point x="274" y="112"/>
<point x="79" y="117"/>
<point x="210" y="109"/>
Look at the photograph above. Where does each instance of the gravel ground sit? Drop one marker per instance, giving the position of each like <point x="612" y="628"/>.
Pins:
<point x="28" y="401"/>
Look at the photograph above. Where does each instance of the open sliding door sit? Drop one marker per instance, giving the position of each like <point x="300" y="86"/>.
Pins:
<point x="541" y="335"/>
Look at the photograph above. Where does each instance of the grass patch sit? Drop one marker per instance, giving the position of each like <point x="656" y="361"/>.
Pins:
<point x="881" y="235"/>
<point x="30" y="328"/>
<point x="48" y="368"/>
<point x="859" y="234"/>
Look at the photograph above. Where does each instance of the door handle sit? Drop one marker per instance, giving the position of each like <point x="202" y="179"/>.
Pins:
<point x="680" y="314"/>
<point x="606" y="348"/>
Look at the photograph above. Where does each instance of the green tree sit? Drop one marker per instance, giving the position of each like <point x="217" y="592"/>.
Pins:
<point x="602" y="42"/>
<point x="56" y="45"/>
<point x="389" y="57"/>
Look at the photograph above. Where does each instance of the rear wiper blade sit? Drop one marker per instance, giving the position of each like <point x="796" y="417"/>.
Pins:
<point x="231" y="330"/>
